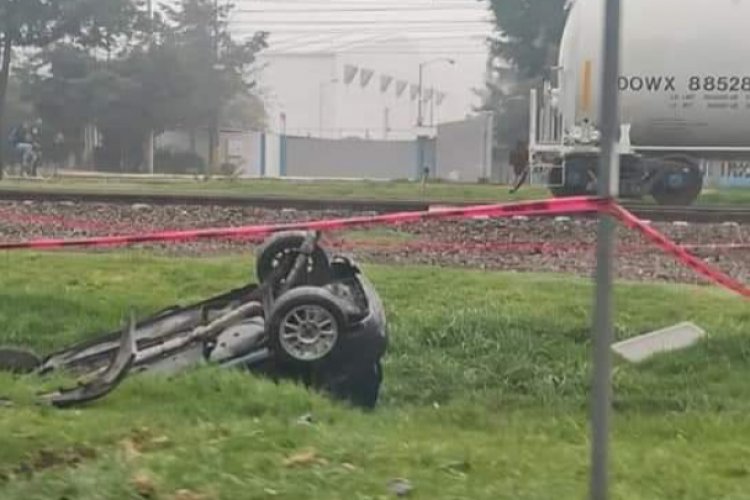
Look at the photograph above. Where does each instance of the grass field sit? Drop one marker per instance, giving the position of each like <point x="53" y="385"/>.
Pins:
<point x="486" y="394"/>
<point x="324" y="190"/>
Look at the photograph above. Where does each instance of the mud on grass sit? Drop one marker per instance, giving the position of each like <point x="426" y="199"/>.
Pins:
<point x="486" y="394"/>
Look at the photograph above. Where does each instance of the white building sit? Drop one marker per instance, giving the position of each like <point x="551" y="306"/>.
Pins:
<point x="362" y="93"/>
<point x="354" y="94"/>
<point x="367" y="84"/>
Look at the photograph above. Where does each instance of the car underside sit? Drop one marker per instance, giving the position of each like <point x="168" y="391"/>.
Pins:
<point x="312" y="318"/>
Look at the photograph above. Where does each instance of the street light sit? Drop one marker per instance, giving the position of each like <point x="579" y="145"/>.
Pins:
<point x="321" y="89"/>
<point x="422" y="66"/>
<point x="151" y="137"/>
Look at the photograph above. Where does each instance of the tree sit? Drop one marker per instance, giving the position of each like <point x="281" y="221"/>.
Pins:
<point x="529" y="33"/>
<point x="39" y="23"/>
<point x="219" y="64"/>
<point x="526" y="44"/>
<point x="506" y="96"/>
<point x="191" y="74"/>
<point x="244" y="112"/>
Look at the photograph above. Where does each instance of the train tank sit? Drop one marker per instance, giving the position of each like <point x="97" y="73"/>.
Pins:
<point x="684" y="88"/>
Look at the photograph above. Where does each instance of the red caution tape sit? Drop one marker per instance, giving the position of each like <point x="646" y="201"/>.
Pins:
<point x="544" y="208"/>
<point x="682" y="254"/>
<point x="563" y="206"/>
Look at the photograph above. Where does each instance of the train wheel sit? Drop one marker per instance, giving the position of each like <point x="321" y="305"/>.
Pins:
<point x="681" y="184"/>
<point x="580" y="178"/>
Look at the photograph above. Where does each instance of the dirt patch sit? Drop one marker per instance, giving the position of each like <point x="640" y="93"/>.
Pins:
<point x="46" y="459"/>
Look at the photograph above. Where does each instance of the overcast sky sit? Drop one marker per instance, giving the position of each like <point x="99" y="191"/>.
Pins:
<point x="391" y="36"/>
<point x="455" y="26"/>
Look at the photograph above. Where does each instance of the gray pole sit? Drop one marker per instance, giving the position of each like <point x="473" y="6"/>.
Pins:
<point x="151" y="139"/>
<point x="420" y="117"/>
<point x="320" y="108"/>
<point x="603" y="314"/>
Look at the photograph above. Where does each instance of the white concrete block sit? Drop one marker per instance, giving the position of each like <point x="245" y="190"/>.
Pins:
<point x="669" y="339"/>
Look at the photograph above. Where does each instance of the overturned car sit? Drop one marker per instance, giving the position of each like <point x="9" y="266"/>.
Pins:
<point x="312" y="318"/>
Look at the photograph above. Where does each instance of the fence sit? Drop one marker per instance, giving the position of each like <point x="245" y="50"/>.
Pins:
<point x="459" y="151"/>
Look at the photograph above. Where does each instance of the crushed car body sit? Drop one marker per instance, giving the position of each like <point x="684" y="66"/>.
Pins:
<point x="312" y="318"/>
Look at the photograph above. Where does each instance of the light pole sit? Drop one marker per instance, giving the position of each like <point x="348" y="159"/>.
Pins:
<point x="215" y="132"/>
<point x="151" y="139"/>
<point x="321" y="90"/>
<point x="422" y="66"/>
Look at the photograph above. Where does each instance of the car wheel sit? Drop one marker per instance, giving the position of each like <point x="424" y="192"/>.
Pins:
<point x="282" y="250"/>
<point x="306" y="325"/>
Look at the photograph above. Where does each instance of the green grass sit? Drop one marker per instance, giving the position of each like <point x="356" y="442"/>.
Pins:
<point x="486" y="394"/>
<point x="308" y="190"/>
<point x="728" y="196"/>
<point x="324" y="190"/>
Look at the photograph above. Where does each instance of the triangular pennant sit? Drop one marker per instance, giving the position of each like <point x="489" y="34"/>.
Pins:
<point x="385" y="82"/>
<point x="400" y="87"/>
<point x="350" y="73"/>
<point x="440" y="98"/>
<point x="365" y="76"/>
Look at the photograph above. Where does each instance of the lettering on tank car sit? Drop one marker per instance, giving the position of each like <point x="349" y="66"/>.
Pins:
<point x="647" y="83"/>
<point x="695" y="83"/>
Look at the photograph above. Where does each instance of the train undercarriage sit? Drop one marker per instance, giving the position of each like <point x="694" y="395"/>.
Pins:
<point x="674" y="180"/>
<point x="565" y="159"/>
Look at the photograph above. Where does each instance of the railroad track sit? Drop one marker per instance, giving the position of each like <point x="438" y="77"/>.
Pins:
<point x="694" y="214"/>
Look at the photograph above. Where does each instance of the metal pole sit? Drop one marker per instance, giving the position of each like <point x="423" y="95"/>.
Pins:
<point x="420" y="118"/>
<point x="320" y="108"/>
<point x="151" y="139"/>
<point x="603" y="314"/>
<point x="215" y="135"/>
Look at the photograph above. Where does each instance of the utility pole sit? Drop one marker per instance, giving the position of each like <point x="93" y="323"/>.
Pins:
<point x="420" y="115"/>
<point x="214" y="136"/>
<point x="603" y="332"/>
<point x="151" y="139"/>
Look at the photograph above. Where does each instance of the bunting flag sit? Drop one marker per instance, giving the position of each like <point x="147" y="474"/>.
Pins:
<point x="385" y="82"/>
<point x="401" y="87"/>
<point x="440" y="97"/>
<point x="350" y="73"/>
<point x="365" y="75"/>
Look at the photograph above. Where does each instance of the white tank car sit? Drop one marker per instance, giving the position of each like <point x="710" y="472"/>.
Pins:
<point x="685" y="95"/>
<point x="685" y="71"/>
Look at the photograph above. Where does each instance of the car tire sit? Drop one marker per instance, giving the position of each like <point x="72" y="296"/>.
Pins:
<point x="306" y="325"/>
<point x="282" y="249"/>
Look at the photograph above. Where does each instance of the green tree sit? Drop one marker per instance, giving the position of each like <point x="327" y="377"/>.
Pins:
<point x="191" y="74"/>
<point x="526" y="44"/>
<point x="220" y="65"/>
<point x="39" y="23"/>
<point x="528" y="33"/>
